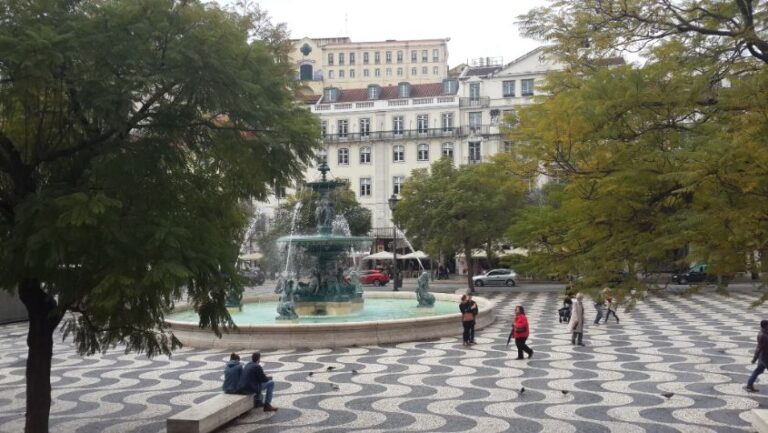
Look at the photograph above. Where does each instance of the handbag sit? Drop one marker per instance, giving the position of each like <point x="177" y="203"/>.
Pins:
<point x="466" y="317"/>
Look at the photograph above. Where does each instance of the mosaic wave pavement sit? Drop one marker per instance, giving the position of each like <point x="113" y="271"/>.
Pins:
<point x="698" y="349"/>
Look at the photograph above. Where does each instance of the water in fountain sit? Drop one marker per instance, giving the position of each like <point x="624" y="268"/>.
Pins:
<point x="402" y="235"/>
<point x="296" y="210"/>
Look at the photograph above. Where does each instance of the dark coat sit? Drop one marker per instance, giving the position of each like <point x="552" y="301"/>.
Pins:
<point x="232" y="373"/>
<point x="252" y="378"/>
<point x="465" y="307"/>
<point x="520" y="328"/>
<point x="761" y="351"/>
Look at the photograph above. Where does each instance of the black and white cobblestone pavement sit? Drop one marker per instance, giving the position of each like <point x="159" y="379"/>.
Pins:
<point x="697" y="348"/>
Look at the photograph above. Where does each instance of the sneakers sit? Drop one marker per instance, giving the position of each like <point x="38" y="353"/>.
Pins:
<point x="750" y="388"/>
<point x="530" y="355"/>
<point x="269" y="408"/>
<point x="582" y="344"/>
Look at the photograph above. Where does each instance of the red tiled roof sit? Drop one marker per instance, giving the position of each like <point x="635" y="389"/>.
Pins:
<point x="390" y="92"/>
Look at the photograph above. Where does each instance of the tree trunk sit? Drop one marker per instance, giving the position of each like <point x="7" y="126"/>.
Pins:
<point x="470" y="266"/>
<point x="43" y="320"/>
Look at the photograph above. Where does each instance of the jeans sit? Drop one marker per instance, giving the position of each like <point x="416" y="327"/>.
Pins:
<point x="758" y="371"/>
<point x="468" y="325"/>
<point x="522" y="347"/>
<point x="599" y="308"/>
<point x="269" y="387"/>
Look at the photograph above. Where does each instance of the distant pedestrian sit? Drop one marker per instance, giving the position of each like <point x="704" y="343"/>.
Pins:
<point x="577" y="320"/>
<point x="253" y="380"/>
<point x="474" y="310"/>
<point x="467" y="318"/>
<point x="760" y="357"/>
<point x="521" y="331"/>
<point x="600" y="305"/>
<point x="232" y="372"/>
<point x="610" y="305"/>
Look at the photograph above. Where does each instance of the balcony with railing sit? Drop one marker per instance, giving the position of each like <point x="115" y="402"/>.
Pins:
<point x="408" y="134"/>
<point x="379" y="104"/>
<point x="479" y="102"/>
<point x="475" y="130"/>
<point x="475" y="159"/>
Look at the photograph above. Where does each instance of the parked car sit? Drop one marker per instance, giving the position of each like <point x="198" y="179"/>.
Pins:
<point x="375" y="277"/>
<point x="254" y="277"/>
<point x="695" y="274"/>
<point x="496" y="277"/>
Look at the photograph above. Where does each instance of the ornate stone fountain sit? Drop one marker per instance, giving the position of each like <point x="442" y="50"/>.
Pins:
<point x="320" y="280"/>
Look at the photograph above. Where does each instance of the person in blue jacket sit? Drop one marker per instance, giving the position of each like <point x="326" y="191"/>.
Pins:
<point x="232" y="372"/>
<point x="253" y="380"/>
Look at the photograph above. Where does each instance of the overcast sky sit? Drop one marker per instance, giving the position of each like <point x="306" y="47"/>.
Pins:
<point x="477" y="29"/>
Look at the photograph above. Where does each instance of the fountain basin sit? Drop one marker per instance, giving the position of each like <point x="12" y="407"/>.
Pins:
<point x="282" y="335"/>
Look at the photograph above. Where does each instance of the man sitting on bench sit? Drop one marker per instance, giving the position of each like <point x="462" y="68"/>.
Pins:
<point x="253" y="380"/>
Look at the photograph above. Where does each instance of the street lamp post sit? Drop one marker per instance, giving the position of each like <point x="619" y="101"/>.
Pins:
<point x="395" y="279"/>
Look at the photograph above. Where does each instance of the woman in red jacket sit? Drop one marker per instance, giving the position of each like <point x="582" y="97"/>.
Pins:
<point x="520" y="332"/>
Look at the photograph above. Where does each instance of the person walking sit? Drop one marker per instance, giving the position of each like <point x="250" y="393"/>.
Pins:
<point x="520" y="332"/>
<point x="253" y="380"/>
<point x="474" y="310"/>
<point x="577" y="321"/>
<point x="600" y="305"/>
<point x="232" y="372"/>
<point x="467" y="318"/>
<point x="610" y="308"/>
<point x="760" y="357"/>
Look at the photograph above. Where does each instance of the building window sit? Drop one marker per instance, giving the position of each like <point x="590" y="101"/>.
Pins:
<point x="341" y="73"/>
<point x="475" y="120"/>
<point x="351" y="73"/>
<point x="397" y="125"/>
<point x="435" y="70"/>
<point x="365" y="58"/>
<point x="341" y="58"/>
<point x="389" y="72"/>
<point x="331" y="74"/>
<point x="330" y="58"/>
<point x="424" y="70"/>
<point x="365" y="155"/>
<point x="343" y="156"/>
<point x="388" y="57"/>
<point x="447" y="150"/>
<point x="399" y="57"/>
<point x="422" y="152"/>
<point x="435" y="55"/>
<point x="365" y="187"/>
<point x="365" y="127"/>
<point x="343" y="128"/>
<point x="397" y="184"/>
<point x="424" y="56"/>
<point x="447" y="119"/>
<point x="506" y="147"/>
<point x="474" y="152"/>
<point x="305" y="73"/>
<point x="414" y="71"/>
<point x="323" y="128"/>
<point x="351" y="58"/>
<point x="377" y="57"/>
<point x="508" y="88"/>
<point x="365" y="73"/>
<point x="414" y="56"/>
<point x="422" y="123"/>
<point x="474" y="91"/>
<point x="373" y="92"/>
<point x="280" y="192"/>
<point x="526" y="87"/>
<point x="398" y="153"/>
<point x="399" y="72"/>
<point x="377" y="72"/>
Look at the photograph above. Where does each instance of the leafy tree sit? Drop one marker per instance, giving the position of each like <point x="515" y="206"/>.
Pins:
<point x="344" y="202"/>
<point x="654" y="157"/>
<point x="459" y="208"/>
<point x="130" y="134"/>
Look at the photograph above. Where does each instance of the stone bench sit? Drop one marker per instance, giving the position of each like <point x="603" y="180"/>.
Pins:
<point x="210" y="414"/>
<point x="760" y="420"/>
